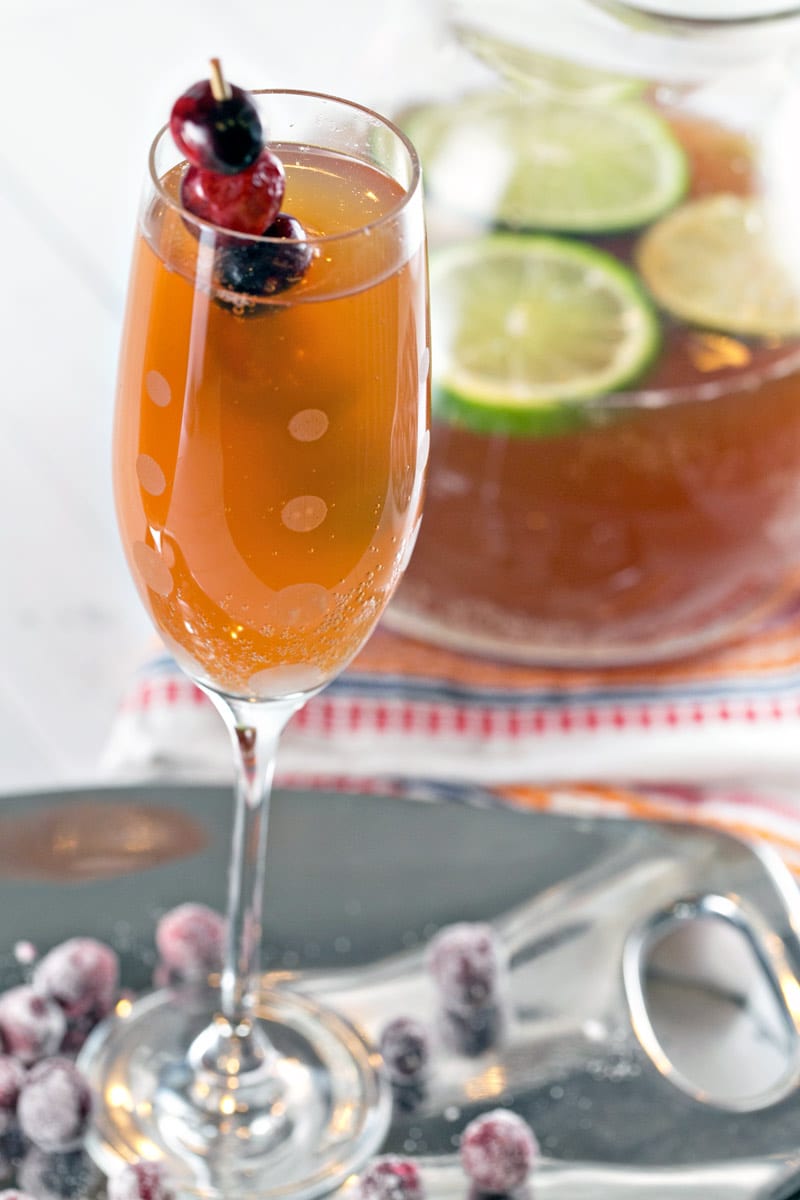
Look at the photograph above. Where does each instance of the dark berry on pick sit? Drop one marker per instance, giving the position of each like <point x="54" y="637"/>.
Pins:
<point x="217" y="135"/>
<point x="244" y="203"/>
<point x="266" y="268"/>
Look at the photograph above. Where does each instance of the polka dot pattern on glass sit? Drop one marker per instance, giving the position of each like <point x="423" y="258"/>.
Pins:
<point x="308" y="425"/>
<point x="152" y="568"/>
<point x="157" y="388"/>
<point x="286" y="680"/>
<point x="424" y="365"/>
<point x="150" y="475"/>
<point x="304" y="513"/>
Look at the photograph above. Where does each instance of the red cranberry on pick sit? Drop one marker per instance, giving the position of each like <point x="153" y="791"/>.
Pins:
<point x="54" y="1105"/>
<point x="466" y="963"/>
<point x="12" y="1077"/>
<point x="82" y="975"/>
<point x="217" y="134"/>
<point x="391" y="1178"/>
<point x="139" y="1181"/>
<point x="498" y="1150"/>
<point x="32" y="1025"/>
<point x="190" y="940"/>
<point x="244" y="203"/>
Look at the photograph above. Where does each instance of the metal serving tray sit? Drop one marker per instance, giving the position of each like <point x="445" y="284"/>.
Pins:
<point x="649" y="1031"/>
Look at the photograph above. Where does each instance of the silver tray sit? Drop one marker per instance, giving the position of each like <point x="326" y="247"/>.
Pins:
<point x="650" y="1029"/>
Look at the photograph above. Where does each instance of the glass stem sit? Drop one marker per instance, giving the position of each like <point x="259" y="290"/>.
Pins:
<point x="236" y="1044"/>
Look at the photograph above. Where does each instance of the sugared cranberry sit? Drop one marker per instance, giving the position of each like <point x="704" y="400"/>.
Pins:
<point x="139" y="1181"/>
<point x="81" y="975"/>
<point x="498" y="1150"/>
<point x="470" y="1032"/>
<point x="405" y="1047"/>
<point x="54" y="1105"/>
<point x="466" y="962"/>
<point x="13" y="1194"/>
<point x="244" y="203"/>
<point x="70" y="1175"/>
<point x="190" y="940"/>
<point x="266" y="268"/>
<point x="217" y="135"/>
<point x="12" y="1077"/>
<point x="391" y="1178"/>
<point x="32" y="1025"/>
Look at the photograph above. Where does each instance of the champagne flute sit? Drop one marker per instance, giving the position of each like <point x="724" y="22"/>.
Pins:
<point x="269" y="453"/>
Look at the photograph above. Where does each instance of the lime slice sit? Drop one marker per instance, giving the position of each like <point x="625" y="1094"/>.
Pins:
<point x="527" y="163"/>
<point x="711" y="263"/>
<point x="527" y="328"/>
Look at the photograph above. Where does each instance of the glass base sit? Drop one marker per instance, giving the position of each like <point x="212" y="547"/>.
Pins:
<point x="309" y="1117"/>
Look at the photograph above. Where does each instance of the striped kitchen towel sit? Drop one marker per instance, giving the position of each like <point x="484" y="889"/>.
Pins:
<point x="405" y="708"/>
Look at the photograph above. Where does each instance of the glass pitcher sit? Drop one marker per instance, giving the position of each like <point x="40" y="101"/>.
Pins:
<point x="614" y="214"/>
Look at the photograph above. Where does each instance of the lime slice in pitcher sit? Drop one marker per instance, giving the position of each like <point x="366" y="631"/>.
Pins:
<point x="533" y="164"/>
<point x="527" y="328"/>
<point x="711" y="263"/>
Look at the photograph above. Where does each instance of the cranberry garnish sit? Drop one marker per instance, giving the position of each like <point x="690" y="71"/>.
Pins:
<point x="139" y="1181"/>
<point x="466" y="962"/>
<point x="265" y="268"/>
<point x="391" y="1178"/>
<point x="32" y="1025"/>
<point x="405" y="1047"/>
<point x="190" y="940"/>
<point x="81" y="975"/>
<point x="12" y="1077"/>
<point x="498" y="1150"/>
<point x="244" y="203"/>
<point x="54" y="1105"/>
<point x="217" y="125"/>
<point x="13" y="1194"/>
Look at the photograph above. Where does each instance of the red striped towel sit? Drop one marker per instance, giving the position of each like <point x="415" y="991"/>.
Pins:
<point x="722" y="731"/>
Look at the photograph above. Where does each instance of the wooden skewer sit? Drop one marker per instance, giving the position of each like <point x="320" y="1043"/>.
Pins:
<point x="220" y="88"/>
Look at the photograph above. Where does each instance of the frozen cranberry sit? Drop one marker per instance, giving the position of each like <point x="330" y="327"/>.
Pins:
<point x="190" y="940"/>
<point x="70" y="1175"/>
<point x="471" y="1032"/>
<point x="82" y="975"/>
<point x="245" y="203"/>
<point x="405" y="1048"/>
<point x="498" y="1150"/>
<point x="12" y="1077"/>
<point x="391" y="1178"/>
<point x="466" y="963"/>
<point x="216" y="125"/>
<point x="139" y="1181"/>
<point x="54" y="1105"/>
<point x="32" y="1025"/>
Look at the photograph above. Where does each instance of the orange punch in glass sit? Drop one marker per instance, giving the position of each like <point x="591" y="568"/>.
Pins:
<point x="270" y="443"/>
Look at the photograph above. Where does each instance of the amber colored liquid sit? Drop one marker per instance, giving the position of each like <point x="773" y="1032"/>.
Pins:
<point x="653" y="533"/>
<point x="268" y="467"/>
